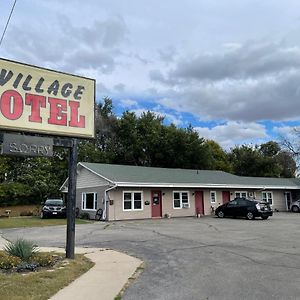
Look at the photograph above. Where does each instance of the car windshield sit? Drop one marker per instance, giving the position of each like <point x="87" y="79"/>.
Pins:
<point x="58" y="202"/>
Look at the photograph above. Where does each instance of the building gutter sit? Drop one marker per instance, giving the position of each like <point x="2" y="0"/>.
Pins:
<point x="104" y="215"/>
<point x="199" y="186"/>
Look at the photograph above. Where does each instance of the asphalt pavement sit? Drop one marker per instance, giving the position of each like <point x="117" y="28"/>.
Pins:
<point x="190" y="258"/>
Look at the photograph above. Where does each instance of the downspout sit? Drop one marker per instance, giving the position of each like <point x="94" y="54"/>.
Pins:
<point x="106" y="200"/>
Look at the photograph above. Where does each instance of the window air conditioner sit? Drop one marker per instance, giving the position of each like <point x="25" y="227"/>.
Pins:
<point x="185" y="205"/>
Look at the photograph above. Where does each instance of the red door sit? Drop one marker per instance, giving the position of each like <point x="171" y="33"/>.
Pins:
<point x="156" y="204"/>
<point x="226" y="196"/>
<point x="199" y="205"/>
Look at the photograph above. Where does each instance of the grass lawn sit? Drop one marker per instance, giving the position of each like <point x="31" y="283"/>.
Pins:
<point x="42" y="284"/>
<point x="34" y="222"/>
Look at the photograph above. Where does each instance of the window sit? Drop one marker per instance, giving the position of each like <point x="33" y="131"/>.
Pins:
<point x="127" y="203"/>
<point x="242" y="202"/>
<point x="181" y="200"/>
<point x="176" y="200"/>
<point x="242" y="194"/>
<point x="132" y="201"/>
<point x="232" y="203"/>
<point x="213" y="197"/>
<point x="268" y="197"/>
<point x="89" y="201"/>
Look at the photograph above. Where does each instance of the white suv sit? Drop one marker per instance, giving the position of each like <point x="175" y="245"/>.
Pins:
<point x="295" y="206"/>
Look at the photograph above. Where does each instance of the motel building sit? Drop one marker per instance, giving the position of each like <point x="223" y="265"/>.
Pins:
<point x="132" y="192"/>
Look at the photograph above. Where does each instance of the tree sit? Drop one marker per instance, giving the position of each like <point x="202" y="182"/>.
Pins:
<point x="99" y="149"/>
<point x="245" y="161"/>
<point x="220" y="159"/>
<point x="265" y="160"/>
<point x="287" y="164"/>
<point x="269" y="149"/>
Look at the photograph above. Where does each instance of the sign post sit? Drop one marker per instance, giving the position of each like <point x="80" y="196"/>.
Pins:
<point x="71" y="204"/>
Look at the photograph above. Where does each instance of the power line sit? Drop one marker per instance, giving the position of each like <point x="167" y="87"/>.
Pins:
<point x="11" y="12"/>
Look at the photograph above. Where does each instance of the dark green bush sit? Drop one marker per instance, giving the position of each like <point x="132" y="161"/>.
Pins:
<point x="21" y="248"/>
<point x="85" y="216"/>
<point x="23" y="267"/>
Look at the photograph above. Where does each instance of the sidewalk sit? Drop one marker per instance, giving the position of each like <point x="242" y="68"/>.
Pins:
<point x="104" y="281"/>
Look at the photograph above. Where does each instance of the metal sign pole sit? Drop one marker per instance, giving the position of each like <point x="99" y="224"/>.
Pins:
<point x="71" y="204"/>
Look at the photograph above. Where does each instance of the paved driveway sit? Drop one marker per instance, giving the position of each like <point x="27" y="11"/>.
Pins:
<point x="191" y="258"/>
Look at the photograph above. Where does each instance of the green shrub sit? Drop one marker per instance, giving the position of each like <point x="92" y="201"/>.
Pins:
<point x="8" y="262"/>
<point x="84" y="216"/>
<point x="21" y="248"/>
<point x="26" y="267"/>
<point x="43" y="259"/>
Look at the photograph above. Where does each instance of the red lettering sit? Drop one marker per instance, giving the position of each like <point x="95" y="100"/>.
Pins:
<point x="58" y="109"/>
<point x="36" y="103"/>
<point x="74" y="122"/>
<point x="11" y="105"/>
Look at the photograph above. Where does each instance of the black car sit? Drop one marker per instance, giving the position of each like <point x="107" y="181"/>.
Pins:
<point x="53" y="208"/>
<point x="243" y="207"/>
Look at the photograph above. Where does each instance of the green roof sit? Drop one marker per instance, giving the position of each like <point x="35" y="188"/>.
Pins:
<point x="121" y="174"/>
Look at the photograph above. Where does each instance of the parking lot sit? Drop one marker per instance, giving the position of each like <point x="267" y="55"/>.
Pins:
<point x="189" y="258"/>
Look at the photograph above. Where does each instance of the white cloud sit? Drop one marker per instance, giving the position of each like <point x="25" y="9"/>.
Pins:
<point x="234" y="133"/>
<point x="289" y="133"/>
<point x="128" y="103"/>
<point x="234" y="61"/>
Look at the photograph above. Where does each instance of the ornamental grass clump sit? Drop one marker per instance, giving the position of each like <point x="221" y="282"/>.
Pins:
<point x="21" y="248"/>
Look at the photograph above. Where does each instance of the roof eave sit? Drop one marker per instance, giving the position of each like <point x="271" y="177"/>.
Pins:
<point x="199" y="185"/>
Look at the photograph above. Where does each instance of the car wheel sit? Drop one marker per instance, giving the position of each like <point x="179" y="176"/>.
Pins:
<point x="250" y="215"/>
<point x="43" y="216"/>
<point x="295" y="209"/>
<point x="264" y="217"/>
<point x="220" y="214"/>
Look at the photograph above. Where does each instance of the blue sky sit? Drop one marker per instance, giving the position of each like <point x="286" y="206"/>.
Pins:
<point x="230" y="68"/>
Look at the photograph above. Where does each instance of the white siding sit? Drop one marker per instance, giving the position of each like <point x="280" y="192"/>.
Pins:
<point x="86" y="179"/>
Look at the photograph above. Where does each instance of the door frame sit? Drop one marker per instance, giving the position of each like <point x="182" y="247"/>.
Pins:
<point x="160" y="203"/>
<point x="228" y="193"/>
<point x="286" y="201"/>
<point x="202" y="203"/>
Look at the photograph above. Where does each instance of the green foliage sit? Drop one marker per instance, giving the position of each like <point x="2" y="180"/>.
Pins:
<point x="266" y="160"/>
<point x="23" y="267"/>
<point x="84" y="216"/>
<point x="12" y="193"/>
<point x="8" y="262"/>
<point x="218" y="157"/>
<point x="287" y="164"/>
<point x="42" y="259"/>
<point x="21" y="248"/>
<point x="28" y="180"/>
